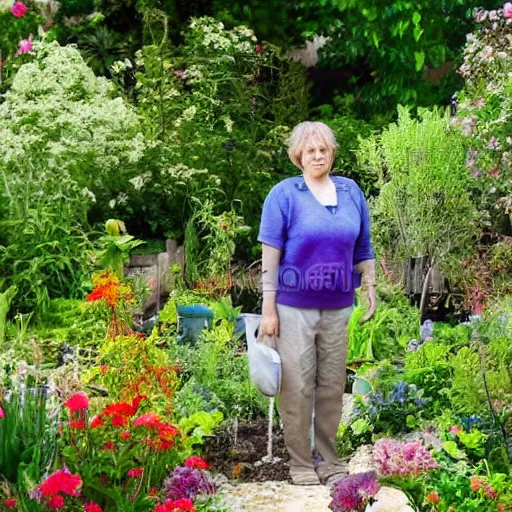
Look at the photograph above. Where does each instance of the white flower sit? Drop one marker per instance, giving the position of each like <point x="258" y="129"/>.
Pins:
<point x="112" y="204"/>
<point x="87" y="193"/>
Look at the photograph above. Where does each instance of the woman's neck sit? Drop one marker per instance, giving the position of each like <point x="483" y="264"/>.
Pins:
<point x="322" y="182"/>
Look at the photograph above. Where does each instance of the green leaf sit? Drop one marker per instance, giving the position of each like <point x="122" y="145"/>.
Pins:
<point x="375" y="38"/>
<point x="417" y="33"/>
<point x="450" y="447"/>
<point x="420" y="60"/>
<point x="416" y="17"/>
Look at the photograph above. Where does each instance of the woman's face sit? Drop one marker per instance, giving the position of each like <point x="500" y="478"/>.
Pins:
<point x="316" y="159"/>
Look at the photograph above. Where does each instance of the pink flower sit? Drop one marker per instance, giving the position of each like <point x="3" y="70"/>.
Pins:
<point x="92" y="507"/>
<point x="151" y="283"/>
<point x="507" y="10"/>
<point x="455" y="430"/>
<point x="136" y="472"/>
<point x="150" y="419"/>
<point x="25" y="46"/>
<point x="196" y="462"/>
<point x="19" y="9"/>
<point x="77" y="402"/>
<point x="10" y="503"/>
<point x="394" y="458"/>
<point x="259" y="48"/>
<point x="2" y="413"/>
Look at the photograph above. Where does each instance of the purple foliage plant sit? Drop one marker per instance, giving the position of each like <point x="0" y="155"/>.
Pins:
<point x="186" y="482"/>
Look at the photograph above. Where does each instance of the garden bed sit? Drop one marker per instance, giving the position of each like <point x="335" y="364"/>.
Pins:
<point x="241" y="461"/>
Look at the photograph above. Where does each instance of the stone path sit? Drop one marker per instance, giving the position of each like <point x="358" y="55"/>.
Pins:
<point x="276" y="497"/>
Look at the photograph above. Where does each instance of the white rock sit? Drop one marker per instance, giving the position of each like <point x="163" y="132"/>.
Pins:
<point x="389" y="499"/>
<point x="362" y="460"/>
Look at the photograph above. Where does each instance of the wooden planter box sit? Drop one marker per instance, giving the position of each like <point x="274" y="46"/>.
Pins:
<point x="157" y="267"/>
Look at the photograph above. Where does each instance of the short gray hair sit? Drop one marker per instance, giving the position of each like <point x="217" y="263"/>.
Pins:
<point x="303" y="132"/>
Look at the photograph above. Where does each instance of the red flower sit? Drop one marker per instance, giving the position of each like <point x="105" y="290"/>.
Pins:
<point x="432" y="498"/>
<point x="104" y="369"/>
<point x="77" y="425"/>
<point x="196" y="462"/>
<point x="259" y="48"/>
<point x="160" y="508"/>
<point x="77" y="402"/>
<point x="96" y="422"/>
<point x="125" y="435"/>
<point x="109" y="446"/>
<point x="181" y="505"/>
<point x="61" y="481"/>
<point x="19" y="9"/>
<point x="92" y="507"/>
<point x="56" y="502"/>
<point x="119" y="421"/>
<point x="10" y="503"/>
<point x="136" y="472"/>
<point x="150" y="419"/>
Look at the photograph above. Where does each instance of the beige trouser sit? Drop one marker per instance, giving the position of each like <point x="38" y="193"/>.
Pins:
<point x="313" y="345"/>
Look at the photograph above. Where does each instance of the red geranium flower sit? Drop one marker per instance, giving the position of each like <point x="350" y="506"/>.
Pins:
<point x="136" y="472"/>
<point x="56" y="502"/>
<point x="10" y="503"/>
<point x="125" y="435"/>
<point x="77" y="402"/>
<point x="96" y="422"/>
<point x="61" y="481"/>
<point x="92" y="507"/>
<point x="150" y="419"/>
<point x="109" y="446"/>
<point x="181" y="505"/>
<point x="77" y="425"/>
<point x="196" y="462"/>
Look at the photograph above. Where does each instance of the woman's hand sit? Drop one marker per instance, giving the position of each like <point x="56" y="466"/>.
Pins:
<point x="269" y="325"/>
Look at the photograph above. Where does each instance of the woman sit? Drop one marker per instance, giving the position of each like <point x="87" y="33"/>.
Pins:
<point x="316" y="235"/>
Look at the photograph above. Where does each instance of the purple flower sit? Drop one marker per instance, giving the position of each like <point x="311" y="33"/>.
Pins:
<point x="354" y="492"/>
<point x="507" y="10"/>
<point x="188" y="483"/>
<point x="494" y="143"/>
<point x="394" y="458"/>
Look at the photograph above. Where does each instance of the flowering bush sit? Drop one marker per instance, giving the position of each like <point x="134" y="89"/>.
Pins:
<point x="354" y="492"/>
<point x="485" y="106"/>
<point x="395" y="458"/>
<point x="121" y="453"/>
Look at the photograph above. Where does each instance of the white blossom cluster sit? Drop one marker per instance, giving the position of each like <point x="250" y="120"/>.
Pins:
<point x="212" y="34"/>
<point x="57" y="110"/>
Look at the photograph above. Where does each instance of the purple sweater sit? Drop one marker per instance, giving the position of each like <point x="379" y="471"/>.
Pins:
<point x="319" y="248"/>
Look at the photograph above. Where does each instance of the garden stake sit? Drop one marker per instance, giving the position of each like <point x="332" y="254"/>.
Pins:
<point x="270" y="422"/>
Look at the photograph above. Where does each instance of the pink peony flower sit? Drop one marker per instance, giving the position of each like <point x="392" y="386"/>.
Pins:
<point x="507" y="10"/>
<point x="19" y="9"/>
<point x="25" y="46"/>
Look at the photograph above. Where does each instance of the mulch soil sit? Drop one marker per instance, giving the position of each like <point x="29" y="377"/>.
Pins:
<point x="241" y="460"/>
